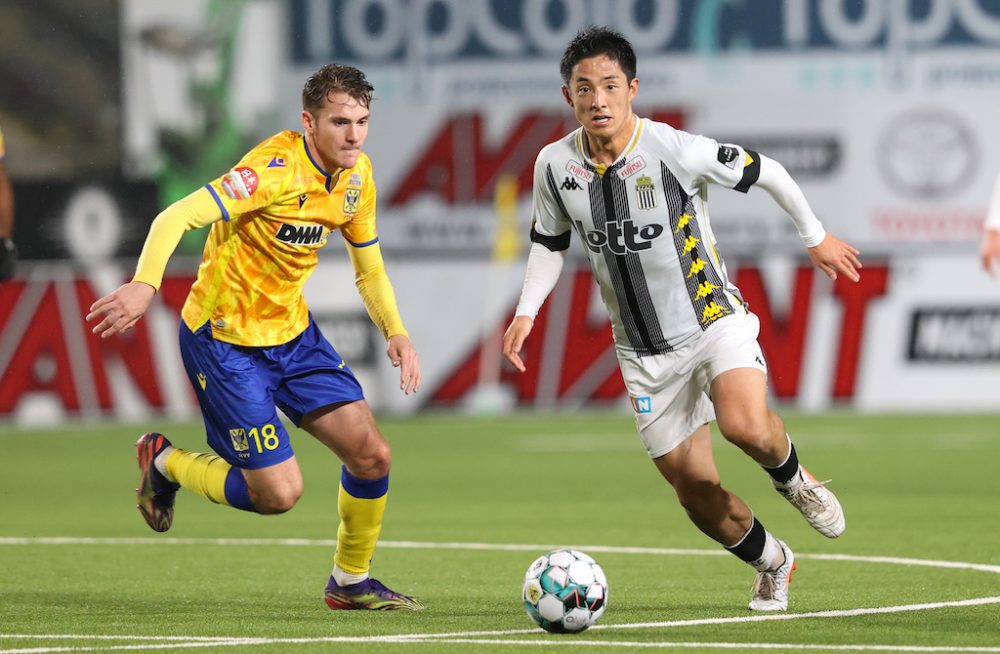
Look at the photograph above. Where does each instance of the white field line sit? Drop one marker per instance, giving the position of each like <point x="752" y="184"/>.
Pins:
<point x="494" y="547"/>
<point x="475" y="637"/>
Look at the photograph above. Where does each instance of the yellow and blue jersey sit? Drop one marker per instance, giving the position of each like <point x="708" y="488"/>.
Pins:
<point x="278" y="208"/>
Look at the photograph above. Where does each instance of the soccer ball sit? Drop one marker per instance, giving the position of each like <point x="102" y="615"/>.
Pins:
<point x="565" y="591"/>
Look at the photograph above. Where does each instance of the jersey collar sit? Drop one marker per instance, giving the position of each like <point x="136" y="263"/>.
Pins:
<point x="330" y="179"/>
<point x="600" y="169"/>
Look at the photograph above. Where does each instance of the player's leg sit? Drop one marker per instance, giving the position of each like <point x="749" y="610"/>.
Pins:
<point x="724" y="517"/>
<point x="740" y="399"/>
<point x="349" y="430"/>
<point x="322" y="396"/>
<point x="243" y="429"/>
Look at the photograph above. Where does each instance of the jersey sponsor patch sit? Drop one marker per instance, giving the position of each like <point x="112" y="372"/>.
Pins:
<point x="642" y="404"/>
<point x="301" y="234"/>
<point x="632" y="167"/>
<point x="727" y="156"/>
<point x="579" y="171"/>
<point x="240" y="183"/>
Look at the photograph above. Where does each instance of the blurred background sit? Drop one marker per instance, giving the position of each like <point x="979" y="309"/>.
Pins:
<point x="885" y="111"/>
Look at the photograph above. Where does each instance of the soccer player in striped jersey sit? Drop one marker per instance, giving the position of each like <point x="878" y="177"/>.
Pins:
<point x="250" y="345"/>
<point x="636" y="193"/>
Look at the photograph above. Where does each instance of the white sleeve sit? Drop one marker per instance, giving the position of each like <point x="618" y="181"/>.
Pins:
<point x="993" y="213"/>
<point x="548" y="216"/>
<point x="540" y="278"/>
<point x="779" y="184"/>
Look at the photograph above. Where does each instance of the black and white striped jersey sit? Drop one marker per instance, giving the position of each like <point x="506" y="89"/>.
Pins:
<point x="645" y="228"/>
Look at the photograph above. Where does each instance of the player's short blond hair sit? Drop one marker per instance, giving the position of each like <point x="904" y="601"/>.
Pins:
<point x="335" y="78"/>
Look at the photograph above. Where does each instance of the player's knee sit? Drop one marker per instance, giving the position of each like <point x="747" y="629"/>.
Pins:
<point x="747" y="431"/>
<point x="277" y="500"/>
<point x="373" y="462"/>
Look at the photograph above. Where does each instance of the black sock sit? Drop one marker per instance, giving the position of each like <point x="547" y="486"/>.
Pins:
<point x="787" y="470"/>
<point x="751" y="547"/>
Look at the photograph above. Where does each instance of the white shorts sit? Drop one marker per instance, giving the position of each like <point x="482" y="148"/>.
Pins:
<point x="670" y="392"/>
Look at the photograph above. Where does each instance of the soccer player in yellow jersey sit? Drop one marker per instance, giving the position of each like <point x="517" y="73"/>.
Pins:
<point x="249" y="344"/>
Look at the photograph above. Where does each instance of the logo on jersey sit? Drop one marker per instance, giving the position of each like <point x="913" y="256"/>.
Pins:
<point x="239" y="438"/>
<point x="354" y="180"/>
<point x="642" y="404"/>
<point x="301" y="234"/>
<point x="727" y="156"/>
<point x="302" y="199"/>
<point x="645" y="192"/>
<point x="622" y="238"/>
<point x="570" y="184"/>
<point x="277" y="162"/>
<point x="240" y="183"/>
<point x="579" y="171"/>
<point x="202" y="380"/>
<point x="351" y="197"/>
<point x="631" y="168"/>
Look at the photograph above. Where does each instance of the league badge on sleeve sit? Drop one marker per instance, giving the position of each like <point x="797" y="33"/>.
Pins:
<point x="727" y="156"/>
<point x="240" y="183"/>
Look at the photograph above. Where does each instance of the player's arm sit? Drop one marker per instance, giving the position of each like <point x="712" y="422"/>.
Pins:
<point x="990" y="250"/>
<point x="121" y="309"/>
<point x="376" y="292"/>
<point x="540" y="277"/>
<point x="827" y="252"/>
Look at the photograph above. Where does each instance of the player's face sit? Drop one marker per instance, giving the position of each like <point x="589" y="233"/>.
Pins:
<point x="601" y="97"/>
<point x="337" y="131"/>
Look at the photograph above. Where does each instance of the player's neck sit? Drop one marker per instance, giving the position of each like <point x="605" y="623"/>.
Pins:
<point x="606" y="150"/>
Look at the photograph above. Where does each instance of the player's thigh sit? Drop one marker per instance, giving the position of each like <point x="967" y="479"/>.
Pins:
<point x="241" y="423"/>
<point x="667" y="405"/>
<point x="277" y="487"/>
<point x="350" y="431"/>
<point x="737" y="377"/>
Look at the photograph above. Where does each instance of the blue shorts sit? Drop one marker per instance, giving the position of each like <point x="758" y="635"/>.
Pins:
<point x="240" y="387"/>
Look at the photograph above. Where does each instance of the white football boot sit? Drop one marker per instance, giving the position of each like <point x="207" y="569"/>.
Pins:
<point x="817" y="504"/>
<point x="770" y="589"/>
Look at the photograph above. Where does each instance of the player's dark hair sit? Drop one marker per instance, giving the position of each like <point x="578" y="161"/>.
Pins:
<point x="335" y="78"/>
<point x="595" y="41"/>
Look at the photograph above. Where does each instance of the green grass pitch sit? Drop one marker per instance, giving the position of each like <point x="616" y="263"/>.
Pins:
<point x="472" y="502"/>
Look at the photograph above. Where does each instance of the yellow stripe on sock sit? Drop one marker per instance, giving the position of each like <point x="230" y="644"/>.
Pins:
<point x="360" y="526"/>
<point x="204" y="474"/>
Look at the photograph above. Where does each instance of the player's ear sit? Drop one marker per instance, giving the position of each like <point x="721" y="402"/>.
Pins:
<point x="307" y="122"/>
<point x="566" y="95"/>
<point x="633" y="88"/>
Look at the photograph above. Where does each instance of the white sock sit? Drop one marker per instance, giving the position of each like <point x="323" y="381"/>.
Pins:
<point x="346" y="578"/>
<point x="772" y="557"/>
<point x="161" y="462"/>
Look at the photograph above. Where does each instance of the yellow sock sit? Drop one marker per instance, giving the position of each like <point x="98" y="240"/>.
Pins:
<point x="361" y="504"/>
<point x="204" y="474"/>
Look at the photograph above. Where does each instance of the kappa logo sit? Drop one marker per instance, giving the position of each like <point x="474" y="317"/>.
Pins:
<point x="301" y="234"/>
<point x="570" y="184"/>
<point x="642" y="404"/>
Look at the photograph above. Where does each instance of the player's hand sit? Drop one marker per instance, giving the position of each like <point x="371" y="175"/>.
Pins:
<point x="513" y="339"/>
<point x="403" y="355"/>
<point x="990" y="251"/>
<point x="121" y="309"/>
<point x="833" y="256"/>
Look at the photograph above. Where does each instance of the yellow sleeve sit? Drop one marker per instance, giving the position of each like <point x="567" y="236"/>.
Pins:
<point x="196" y="210"/>
<point x="376" y="291"/>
